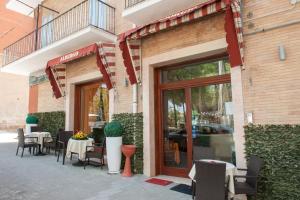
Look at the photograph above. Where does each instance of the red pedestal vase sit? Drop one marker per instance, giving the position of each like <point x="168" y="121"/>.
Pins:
<point x="128" y="151"/>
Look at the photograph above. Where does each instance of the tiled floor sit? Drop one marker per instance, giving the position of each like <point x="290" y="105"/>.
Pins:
<point x="42" y="178"/>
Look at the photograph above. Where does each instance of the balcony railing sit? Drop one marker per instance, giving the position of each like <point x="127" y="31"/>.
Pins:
<point x="131" y="3"/>
<point x="88" y="13"/>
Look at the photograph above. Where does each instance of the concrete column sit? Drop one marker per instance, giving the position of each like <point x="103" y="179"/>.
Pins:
<point x="239" y="116"/>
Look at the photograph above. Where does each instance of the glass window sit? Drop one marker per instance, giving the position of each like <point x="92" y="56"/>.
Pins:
<point x="212" y="122"/>
<point x="193" y="71"/>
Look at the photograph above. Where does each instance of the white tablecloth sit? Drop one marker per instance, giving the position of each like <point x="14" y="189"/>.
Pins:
<point x="230" y="171"/>
<point x="79" y="147"/>
<point x="40" y="136"/>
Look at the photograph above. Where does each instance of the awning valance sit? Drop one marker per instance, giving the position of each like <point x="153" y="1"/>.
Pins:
<point x="130" y="44"/>
<point x="105" y="57"/>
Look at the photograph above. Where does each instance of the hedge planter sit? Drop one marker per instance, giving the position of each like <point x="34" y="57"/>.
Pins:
<point x="113" y="152"/>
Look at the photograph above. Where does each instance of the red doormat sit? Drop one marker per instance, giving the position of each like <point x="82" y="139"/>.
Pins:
<point x="158" y="181"/>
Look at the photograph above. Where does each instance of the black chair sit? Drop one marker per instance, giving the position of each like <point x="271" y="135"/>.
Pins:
<point x="36" y="129"/>
<point x="210" y="181"/>
<point x="63" y="138"/>
<point x="23" y="144"/>
<point x="199" y="153"/>
<point x="51" y="142"/>
<point x="96" y="151"/>
<point x="249" y="186"/>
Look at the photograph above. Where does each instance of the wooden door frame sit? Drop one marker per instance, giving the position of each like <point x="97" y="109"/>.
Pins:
<point x="186" y="85"/>
<point x="77" y="101"/>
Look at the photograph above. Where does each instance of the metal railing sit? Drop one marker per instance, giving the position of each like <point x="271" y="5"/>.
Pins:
<point x="131" y="3"/>
<point x="88" y="13"/>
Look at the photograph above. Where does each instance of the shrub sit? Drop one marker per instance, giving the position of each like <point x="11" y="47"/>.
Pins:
<point x="30" y="119"/>
<point x="279" y="146"/>
<point x="113" y="129"/>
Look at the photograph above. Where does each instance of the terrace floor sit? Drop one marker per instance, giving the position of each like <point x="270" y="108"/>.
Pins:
<point x="41" y="177"/>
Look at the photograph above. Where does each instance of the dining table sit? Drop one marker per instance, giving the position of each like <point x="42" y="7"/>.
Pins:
<point x="78" y="147"/>
<point x="40" y="139"/>
<point x="231" y="170"/>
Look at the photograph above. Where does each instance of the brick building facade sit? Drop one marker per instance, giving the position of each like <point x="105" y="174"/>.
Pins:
<point x="265" y="90"/>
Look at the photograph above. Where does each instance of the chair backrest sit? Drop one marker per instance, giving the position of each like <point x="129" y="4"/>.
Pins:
<point x="200" y="153"/>
<point x="64" y="136"/>
<point x="36" y="129"/>
<point x="21" y="137"/>
<point x="210" y="180"/>
<point x="101" y="149"/>
<point x="254" y="166"/>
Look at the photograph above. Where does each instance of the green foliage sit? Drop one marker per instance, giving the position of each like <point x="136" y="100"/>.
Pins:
<point x="30" y="119"/>
<point x="114" y="129"/>
<point x="133" y="127"/>
<point x="279" y="146"/>
<point x="51" y="121"/>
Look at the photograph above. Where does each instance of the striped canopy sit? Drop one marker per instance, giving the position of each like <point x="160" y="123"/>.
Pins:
<point x="130" y="40"/>
<point x="105" y="57"/>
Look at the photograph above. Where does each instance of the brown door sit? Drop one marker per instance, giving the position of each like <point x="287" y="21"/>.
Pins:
<point x="190" y="111"/>
<point x="91" y="105"/>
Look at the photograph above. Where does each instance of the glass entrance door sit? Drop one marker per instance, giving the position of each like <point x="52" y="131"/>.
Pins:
<point x="194" y="113"/>
<point x="174" y="129"/>
<point x="91" y="106"/>
<point x="212" y="122"/>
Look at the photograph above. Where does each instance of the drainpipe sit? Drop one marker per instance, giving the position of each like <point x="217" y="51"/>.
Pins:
<point x="134" y="98"/>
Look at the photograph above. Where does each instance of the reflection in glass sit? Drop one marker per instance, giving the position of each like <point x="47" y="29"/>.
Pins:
<point x="94" y="107"/>
<point x="212" y="120"/>
<point x="175" y="135"/>
<point x="194" y="71"/>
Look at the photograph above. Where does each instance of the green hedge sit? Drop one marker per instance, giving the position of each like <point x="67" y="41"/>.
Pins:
<point x="133" y="126"/>
<point x="279" y="146"/>
<point x="51" y="121"/>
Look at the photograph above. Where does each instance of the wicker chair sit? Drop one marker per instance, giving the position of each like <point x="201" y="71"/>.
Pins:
<point x="249" y="186"/>
<point x="96" y="151"/>
<point x="23" y="144"/>
<point x="63" y="138"/>
<point x="210" y="181"/>
<point x="200" y="153"/>
<point x="51" y="142"/>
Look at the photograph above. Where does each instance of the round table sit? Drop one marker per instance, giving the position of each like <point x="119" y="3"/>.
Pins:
<point x="40" y="138"/>
<point x="230" y="171"/>
<point x="78" y="147"/>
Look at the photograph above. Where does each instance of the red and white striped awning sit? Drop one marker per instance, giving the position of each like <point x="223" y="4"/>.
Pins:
<point x="105" y="56"/>
<point x="130" y="44"/>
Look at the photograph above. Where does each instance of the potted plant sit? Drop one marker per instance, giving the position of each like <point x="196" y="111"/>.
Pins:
<point x="113" y="132"/>
<point x="31" y="121"/>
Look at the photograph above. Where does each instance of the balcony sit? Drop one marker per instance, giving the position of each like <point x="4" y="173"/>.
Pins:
<point x="88" y="22"/>
<point x="140" y="12"/>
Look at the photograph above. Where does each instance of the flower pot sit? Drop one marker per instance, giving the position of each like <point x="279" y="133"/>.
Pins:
<point x="113" y="152"/>
<point x="128" y="151"/>
<point x="28" y="128"/>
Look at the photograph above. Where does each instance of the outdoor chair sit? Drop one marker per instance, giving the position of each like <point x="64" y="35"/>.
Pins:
<point x="63" y="138"/>
<point x="200" y="153"/>
<point x="51" y="144"/>
<point x="210" y="181"/>
<point x="96" y="151"/>
<point x="27" y="144"/>
<point x="249" y="186"/>
<point x="36" y="129"/>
